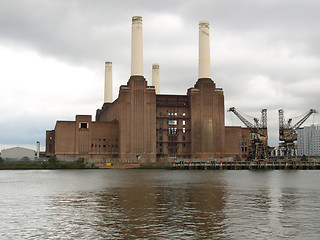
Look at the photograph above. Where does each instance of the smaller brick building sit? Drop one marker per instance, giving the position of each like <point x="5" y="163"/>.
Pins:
<point x="237" y="141"/>
<point x="83" y="138"/>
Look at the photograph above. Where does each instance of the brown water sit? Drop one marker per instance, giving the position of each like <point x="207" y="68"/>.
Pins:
<point x="159" y="204"/>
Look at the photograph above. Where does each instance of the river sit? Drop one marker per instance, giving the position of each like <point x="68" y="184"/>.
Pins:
<point x="159" y="204"/>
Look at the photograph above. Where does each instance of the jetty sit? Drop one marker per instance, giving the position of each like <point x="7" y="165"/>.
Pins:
<point x="217" y="164"/>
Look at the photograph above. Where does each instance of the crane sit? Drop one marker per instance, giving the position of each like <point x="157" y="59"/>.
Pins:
<point x="259" y="134"/>
<point x="288" y="134"/>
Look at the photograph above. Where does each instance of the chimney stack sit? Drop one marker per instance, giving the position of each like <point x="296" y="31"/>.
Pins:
<point x="108" y="83"/>
<point x="204" y="50"/>
<point x="136" y="47"/>
<point x="38" y="149"/>
<point x="156" y="77"/>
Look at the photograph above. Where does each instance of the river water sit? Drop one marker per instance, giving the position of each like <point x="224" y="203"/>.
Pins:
<point x="159" y="204"/>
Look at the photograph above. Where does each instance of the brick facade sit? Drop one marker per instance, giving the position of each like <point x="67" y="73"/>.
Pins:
<point x="145" y="127"/>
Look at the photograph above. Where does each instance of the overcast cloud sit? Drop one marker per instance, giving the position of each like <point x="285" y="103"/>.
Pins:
<point x="264" y="54"/>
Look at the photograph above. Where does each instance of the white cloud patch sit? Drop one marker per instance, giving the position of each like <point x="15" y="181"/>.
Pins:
<point x="36" y="90"/>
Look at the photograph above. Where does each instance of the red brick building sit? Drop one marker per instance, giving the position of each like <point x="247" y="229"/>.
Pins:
<point x="143" y="125"/>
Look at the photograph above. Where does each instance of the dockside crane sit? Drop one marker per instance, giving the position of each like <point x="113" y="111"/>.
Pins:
<point x="288" y="134"/>
<point x="259" y="134"/>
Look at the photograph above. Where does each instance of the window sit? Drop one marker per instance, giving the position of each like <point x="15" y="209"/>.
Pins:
<point x="83" y="125"/>
<point x="183" y="130"/>
<point x="183" y="122"/>
<point x="173" y="122"/>
<point x="172" y="130"/>
<point x="184" y="114"/>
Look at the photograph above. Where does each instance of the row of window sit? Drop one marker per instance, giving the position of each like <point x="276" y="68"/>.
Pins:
<point x="244" y="149"/>
<point x="104" y="139"/>
<point x="173" y="114"/>
<point x="175" y="122"/>
<point x="174" y="130"/>
<point x="104" y="146"/>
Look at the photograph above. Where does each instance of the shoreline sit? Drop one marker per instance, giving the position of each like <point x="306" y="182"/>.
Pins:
<point x="279" y="164"/>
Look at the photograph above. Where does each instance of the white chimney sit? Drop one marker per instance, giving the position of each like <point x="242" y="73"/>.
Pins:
<point x="38" y="149"/>
<point x="156" y="77"/>
<point x="108" y="83"/>
<point x="204" y="50"/>
<point x="136" y="47"/>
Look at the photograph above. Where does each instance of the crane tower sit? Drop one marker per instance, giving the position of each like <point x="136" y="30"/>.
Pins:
<point x="259" y="134"/>
<point x="288" y="134"/>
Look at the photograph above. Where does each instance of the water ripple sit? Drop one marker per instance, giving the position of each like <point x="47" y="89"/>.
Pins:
<point x="159" y="204"/>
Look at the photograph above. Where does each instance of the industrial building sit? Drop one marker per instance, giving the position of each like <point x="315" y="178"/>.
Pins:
<point x="18" y="153"/>
<point x="308" y="143"/>
<point x="143" y="124"/>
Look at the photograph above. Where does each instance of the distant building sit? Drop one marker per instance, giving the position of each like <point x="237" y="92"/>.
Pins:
<point x="18" y="153"/>
<point x="308" y="143"/>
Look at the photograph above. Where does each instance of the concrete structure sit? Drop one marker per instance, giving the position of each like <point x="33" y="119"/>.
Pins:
<point x="38" y="149"/>
<point x="143" y="125"/>
<point x="18" y="153"/>
<point x="108" y="83"/>
<point x="137" y="47"/>
<point x="156" y="77"/>
<point x="308" y="142"/>
<point x="204" y="50"/>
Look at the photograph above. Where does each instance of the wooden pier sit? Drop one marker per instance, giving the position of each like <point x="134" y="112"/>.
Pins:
<point x="244" y="165"/>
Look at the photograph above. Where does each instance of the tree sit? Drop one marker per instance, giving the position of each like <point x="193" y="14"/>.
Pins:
<point x="53" y="159"/>
<point x="80" y="163"/>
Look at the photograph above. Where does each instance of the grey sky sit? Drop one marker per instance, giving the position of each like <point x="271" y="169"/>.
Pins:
<point x="264" y="54"/>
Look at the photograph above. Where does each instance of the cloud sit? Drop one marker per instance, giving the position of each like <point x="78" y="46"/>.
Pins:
<point x="264" y="54"/>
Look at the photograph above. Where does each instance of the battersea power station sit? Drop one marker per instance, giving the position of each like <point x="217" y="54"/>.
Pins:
<point x="144" y="125"/>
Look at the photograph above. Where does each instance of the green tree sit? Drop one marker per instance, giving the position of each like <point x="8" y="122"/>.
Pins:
<point x="80" y="163"/>
<point x="52" y="159"/>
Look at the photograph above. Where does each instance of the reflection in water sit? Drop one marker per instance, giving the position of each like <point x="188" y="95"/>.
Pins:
<point x="150" y="209"/>
<point x="159" y="204"/>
